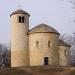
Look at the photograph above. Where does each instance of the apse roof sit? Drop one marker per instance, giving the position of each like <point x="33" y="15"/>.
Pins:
<point x="62" y="43"/>
<point x="43" y="28"/>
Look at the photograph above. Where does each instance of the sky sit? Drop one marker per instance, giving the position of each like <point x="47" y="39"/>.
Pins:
<point x="55" y="13"/>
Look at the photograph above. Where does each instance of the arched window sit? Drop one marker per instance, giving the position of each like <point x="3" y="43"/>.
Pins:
<point x="21" y="19"/>
<point x="65" y="52"/>
<point x="48" y="43"/>
<point x="37" y="44"/>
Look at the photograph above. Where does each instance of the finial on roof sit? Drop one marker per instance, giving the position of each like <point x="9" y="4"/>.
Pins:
<point x="19" y="6"/>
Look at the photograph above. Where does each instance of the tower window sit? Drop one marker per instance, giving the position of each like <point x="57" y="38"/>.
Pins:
<point x="21" y="19"/>
<point x="48" y="43"/>
<point x="37" y="44"/>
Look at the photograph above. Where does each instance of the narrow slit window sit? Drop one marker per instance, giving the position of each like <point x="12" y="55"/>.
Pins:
<point x="19" y="19"/>
<point x="65" y="52"/>
<point x="22" y="19"/>
<point x="48" y="43"/>
<point x="37" y="44"/>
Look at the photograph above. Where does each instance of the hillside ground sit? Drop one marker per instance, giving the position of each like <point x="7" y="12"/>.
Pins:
<point x="40" y="70"/>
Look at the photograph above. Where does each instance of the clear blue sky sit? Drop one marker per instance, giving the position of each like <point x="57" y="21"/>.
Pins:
<point x="56" y="13"/>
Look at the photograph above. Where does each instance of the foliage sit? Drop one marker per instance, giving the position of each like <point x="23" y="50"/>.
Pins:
<point x="4" y="56"/>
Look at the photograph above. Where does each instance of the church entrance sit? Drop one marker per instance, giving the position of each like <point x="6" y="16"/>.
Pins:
<point x="45" y="60"/>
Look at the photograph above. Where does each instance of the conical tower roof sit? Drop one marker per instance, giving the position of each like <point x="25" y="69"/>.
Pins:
<point x="19" y="11"/>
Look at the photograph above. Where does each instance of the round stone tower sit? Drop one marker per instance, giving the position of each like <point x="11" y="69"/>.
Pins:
<point x="19" y="38"/>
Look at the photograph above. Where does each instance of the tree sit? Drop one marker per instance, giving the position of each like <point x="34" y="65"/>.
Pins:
<point x="4" y="55"/>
